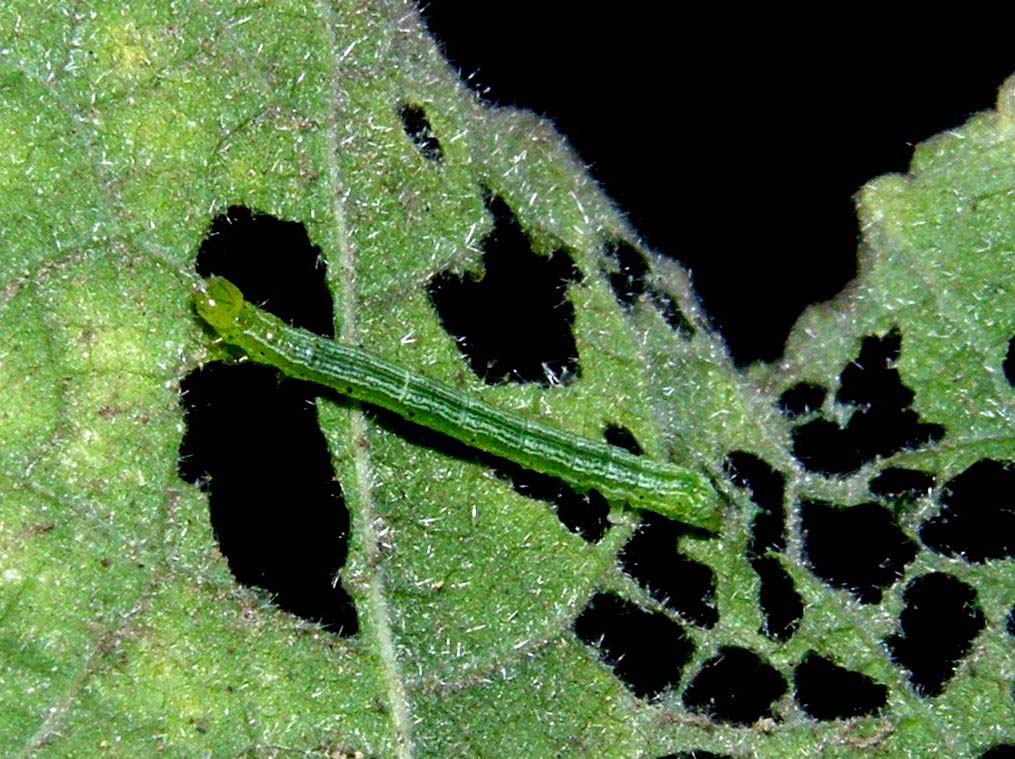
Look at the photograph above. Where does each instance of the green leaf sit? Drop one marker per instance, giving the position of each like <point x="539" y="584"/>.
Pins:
<point x="127" y="128"/>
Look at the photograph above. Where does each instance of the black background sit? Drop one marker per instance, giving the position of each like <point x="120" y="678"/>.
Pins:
<point x="734" y="143"/>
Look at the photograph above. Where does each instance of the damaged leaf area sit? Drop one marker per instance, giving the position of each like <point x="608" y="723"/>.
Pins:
<point x="199" y="557"/>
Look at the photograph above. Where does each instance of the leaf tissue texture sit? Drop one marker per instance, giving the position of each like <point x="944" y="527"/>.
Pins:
<point x="857" y="601"/>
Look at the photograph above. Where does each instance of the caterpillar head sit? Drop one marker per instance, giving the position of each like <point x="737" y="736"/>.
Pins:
<point x="219" y="302"/>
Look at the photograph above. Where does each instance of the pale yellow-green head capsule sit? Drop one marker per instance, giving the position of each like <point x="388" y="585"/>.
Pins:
<point x="219" y="302"/>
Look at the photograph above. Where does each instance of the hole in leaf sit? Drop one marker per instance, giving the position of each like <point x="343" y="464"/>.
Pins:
<point x="859" y="548"/>
<point x="417" y="128"/>
<point x="872" y="378"/>
<point x="827" y="691"/>
<point x="780" y="603"/>
<point x="767" y="487"/>
<point x="978" y="518"/>
<point x="646" y="650"/>
<point x="1000" y="751"/>
<point x="824" y="446"/>
<point x="675" y="580"/>
<point x="514" y="322"/>
<point x="938" y="625"/>
<point x="802" y="399"/>
<point x="1009" y="363"/>
<point x="253" y="441"/>
<point x="629" y="282"/>
<point x="736" y="686"/>
<point x="1011" y="622"/>
<point x="585" y="514"/>
<point x="628" y="279"/>
<point x="882" y="423"/>
<point x="622" y="437"/>
<point x="673" y="314"/>
<point x="902" y="484"/>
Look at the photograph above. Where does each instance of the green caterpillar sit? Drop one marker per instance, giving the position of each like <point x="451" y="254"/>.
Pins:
<point x="673" y="491"/>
